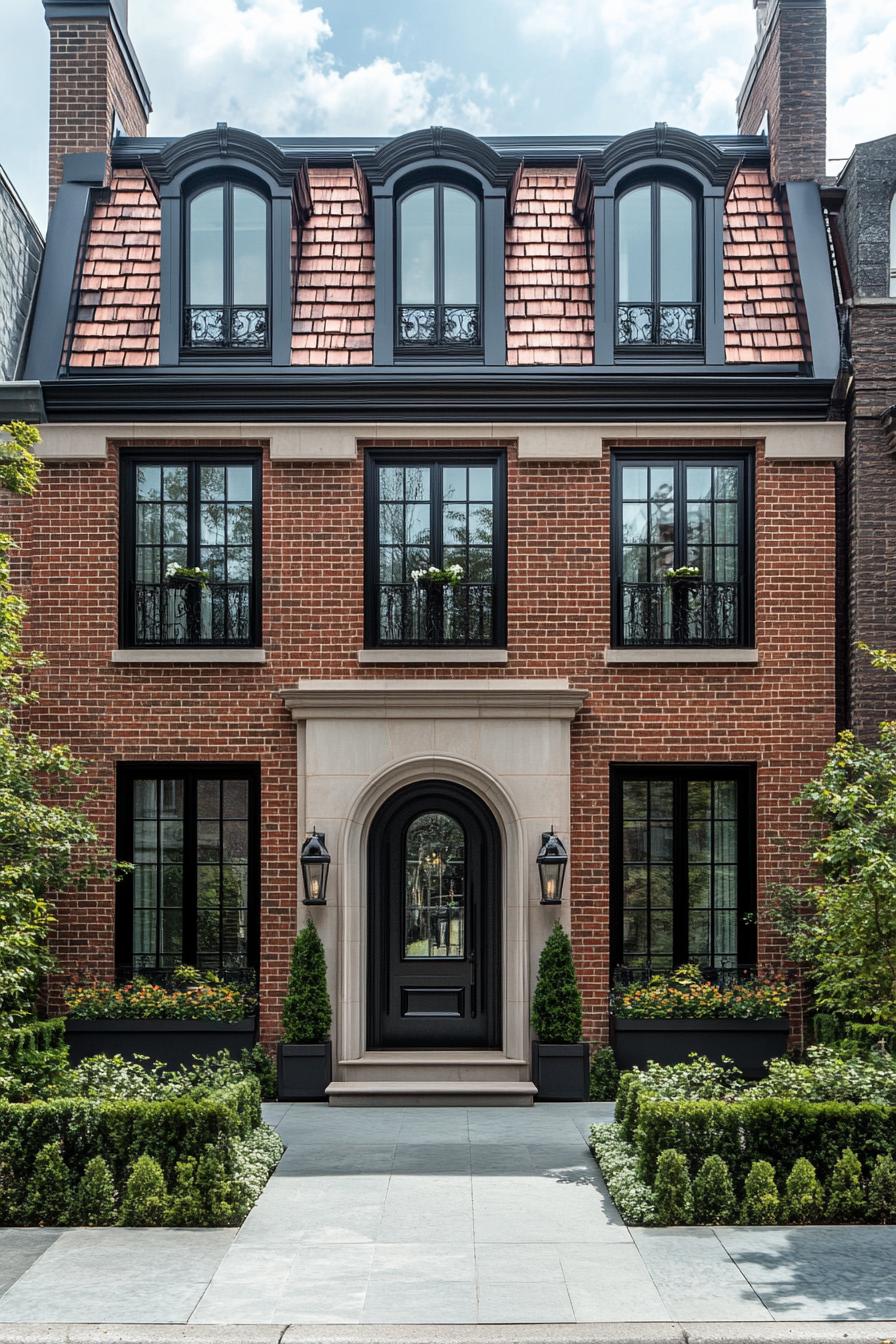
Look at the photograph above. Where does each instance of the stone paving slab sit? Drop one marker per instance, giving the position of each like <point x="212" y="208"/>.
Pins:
<point x="447" y="1220"/>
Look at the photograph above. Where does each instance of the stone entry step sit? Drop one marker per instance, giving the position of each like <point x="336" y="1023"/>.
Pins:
<point x="433" y="1066"/>
<point x="423" y="1092"/>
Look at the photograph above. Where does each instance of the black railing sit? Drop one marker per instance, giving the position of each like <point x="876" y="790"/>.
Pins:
<point x="657" y="615"/>
<point x="623" y="976"/>
<point x="217" y="615"/>
<point x="437" y="324"/>
<point x="225" y="328"/>
<point x="436" y="615"/>
<point x="657" y="324"/>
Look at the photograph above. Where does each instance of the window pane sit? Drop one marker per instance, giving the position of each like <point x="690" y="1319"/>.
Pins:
<point x="635" y="272"/>
<point x="676" y="246"/>
<point x="157" y="847"/>
<point x="434" y="890"/>
<point x="207" y="248"/>
<point x="250" y="239"/>
<point x="459" y="243"/>
<point x="417" y="231"/>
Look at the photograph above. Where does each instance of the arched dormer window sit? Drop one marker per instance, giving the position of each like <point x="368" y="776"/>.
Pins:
<point x="438" y="232"/>
<point x="232" y="203"/>
<point x="657" y="272"/>
<point x="227" y="272"/>
<point x="893" y="247"/>
<point x="440" y="201"/>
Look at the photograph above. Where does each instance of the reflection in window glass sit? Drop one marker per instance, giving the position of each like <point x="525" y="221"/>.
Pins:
<point x="207" y="248"/>
<point x="417" y="231"/>
<point x="435" y="887"/>
<point x="635" y="269"/>
<point x="676" y="247"/>
<point x="459" y="244"/>
<point x="250" y="233"/>
<point x="158" y="879"/>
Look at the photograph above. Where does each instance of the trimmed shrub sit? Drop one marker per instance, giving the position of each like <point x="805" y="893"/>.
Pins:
<point x="714" y="1199"/>
<point x="557" y="1001"/>
<point x="48" y="1198"/>
<point x="674" y="1198"/>
<point x="258" y="1062"/>
<point x="94" y="1204"/>
<point x="803" y="1194"/>
<point x="185" y="1205"/>
<point x="761" y="1201"/>
<point x="604" y="1075"/>
<point x="306" y="1009"/>
<point x="215" y="1191"/>
<point x="34" y="1057"/>
<point x="846" y="1201"/>
<point x="882" y="1190"/>
<point x="145" y="1202"/>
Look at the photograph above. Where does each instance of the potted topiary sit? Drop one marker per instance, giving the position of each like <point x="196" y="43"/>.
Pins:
<point x="559" y="1055"/>
<point x="304" y="1056"/>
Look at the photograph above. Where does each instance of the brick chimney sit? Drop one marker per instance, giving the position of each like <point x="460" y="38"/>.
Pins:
<point x="96" y="84"/>
<point x="786" y="81"/>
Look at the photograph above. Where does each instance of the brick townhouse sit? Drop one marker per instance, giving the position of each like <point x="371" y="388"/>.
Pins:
<point x="313" y="367"/>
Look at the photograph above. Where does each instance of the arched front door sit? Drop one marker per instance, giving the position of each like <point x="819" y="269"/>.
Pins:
<point x="434" y="864"/>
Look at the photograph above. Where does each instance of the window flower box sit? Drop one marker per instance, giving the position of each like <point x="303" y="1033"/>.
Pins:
<point x="173" y="1042"/>
<point x="749" y="1044"/>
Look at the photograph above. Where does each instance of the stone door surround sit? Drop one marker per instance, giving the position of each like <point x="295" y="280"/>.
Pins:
<point x="359" y="741"/>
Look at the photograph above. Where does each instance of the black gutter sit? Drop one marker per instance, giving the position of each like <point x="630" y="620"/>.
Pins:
<point x="424" y="395"/>
<point x="20" y="400"/>
<point x="341" y="151"/>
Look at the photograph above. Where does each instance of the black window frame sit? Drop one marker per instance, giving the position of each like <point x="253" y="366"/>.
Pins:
<point x="660" y="349"/>
<point x="225" y="350"/>
<point x="193" y="458"/>
<point x="439" y="348"/>
<point x="681" y="459"/>
<point x="434" y="457"/>
<point x="190" y="772"/>
<point x="681" y="774"/>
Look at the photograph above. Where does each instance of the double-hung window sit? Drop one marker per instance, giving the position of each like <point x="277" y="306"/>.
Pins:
<point x="435" y="511"/>
<point x="191" y="834"/>
<point x="675" y="513"/>
<point x="202" y="513"/>
<point x="683" y="866"/>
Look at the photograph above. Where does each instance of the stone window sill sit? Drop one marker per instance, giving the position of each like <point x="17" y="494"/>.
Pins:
<point x="431" y="657"/>
<point x="706" y="657"/>
<point x="174" y="657"/>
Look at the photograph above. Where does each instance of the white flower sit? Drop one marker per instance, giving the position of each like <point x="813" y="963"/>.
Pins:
<point x="172" y="569"/>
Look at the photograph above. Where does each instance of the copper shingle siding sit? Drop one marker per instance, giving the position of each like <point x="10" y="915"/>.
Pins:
<point x="762" y="321"/>
<point x="333" y="314"/>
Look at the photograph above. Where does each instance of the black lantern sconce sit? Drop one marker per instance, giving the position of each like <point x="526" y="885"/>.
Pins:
<point x="552" y="860"/>
<point x="315" y="869"/>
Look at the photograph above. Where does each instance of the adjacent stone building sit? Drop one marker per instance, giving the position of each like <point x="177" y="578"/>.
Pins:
<point x="21" y="249"/>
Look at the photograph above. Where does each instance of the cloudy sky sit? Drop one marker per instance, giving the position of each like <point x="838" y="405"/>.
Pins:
<point x="502" y="66"/>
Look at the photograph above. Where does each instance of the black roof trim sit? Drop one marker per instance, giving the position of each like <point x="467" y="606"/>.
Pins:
<point x="164" y="161"/>
<point x="659" y="143"/>
<point x="22" y="400"/>
<point x="538" y="150"/>
<point x="442" y="394"/>
<point x="439" y="142"/>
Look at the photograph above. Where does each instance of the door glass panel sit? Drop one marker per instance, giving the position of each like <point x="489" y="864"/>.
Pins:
<point x="434" y="888"/>
<point x="207" y="248"/>
<point x="635" y="278"/>
<point x="417" y="223"/>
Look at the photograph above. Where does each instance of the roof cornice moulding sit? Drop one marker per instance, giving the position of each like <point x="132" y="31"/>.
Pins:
<point x="439" y="142"/>
<point x="227" y="145"/>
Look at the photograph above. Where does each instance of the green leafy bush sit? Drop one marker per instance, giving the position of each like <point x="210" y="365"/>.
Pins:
<point x="830" y="1075"/>
<point x="306" y="1009"/>
<point x="145" y="1202"/>
<point x="48" y="1197"/>
<point x="685" y="993"/>
<point x="33" y="1060"/>
<point x="95" y="1202"/>
<point x="714" y="1199"/>
<point x="846" y="1200"/>
<point x="604" y="1075"/>
<point x="201" y="996"/>
<point x="557" y="1001"/>
<point x="20" y="467"/>
<point x="761" y="1200"/>
<point x="185" y="1205"/>
<point x="882" y="1190"/>
<point x="258" y="1062"/>
<point x="618" y="1161"/>
<point x="216" y="1192"/>
<point x="672" y="1190"/>
<point x="803" y="1194"/>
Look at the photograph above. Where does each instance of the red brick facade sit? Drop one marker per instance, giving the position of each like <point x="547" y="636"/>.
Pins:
<point x="778" y="714"/>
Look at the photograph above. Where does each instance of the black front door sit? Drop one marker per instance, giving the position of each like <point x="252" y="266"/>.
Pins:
<point x="433" y="921"/>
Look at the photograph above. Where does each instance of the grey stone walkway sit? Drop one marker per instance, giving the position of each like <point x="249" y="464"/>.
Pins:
<point x="443" y="1216"/>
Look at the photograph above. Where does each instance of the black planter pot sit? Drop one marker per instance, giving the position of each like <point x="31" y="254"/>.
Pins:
<point x="560" y="1072"/>
<point x="171" y="1042"/>
<point x="636" y="1041"/>
<point x="304" y="1072"/>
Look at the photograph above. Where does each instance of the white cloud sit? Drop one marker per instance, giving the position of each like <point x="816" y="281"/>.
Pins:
<point x="266" y="65"/>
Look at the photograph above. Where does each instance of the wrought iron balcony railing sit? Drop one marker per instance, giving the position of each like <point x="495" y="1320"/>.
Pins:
<point x="436" y="616"/>
<point x="658" y="324"/>
<point x="225" y="328"/>
<point x="438" y="325"/>
<point x="217" y="615"/>
<point x="657" y="615"/>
